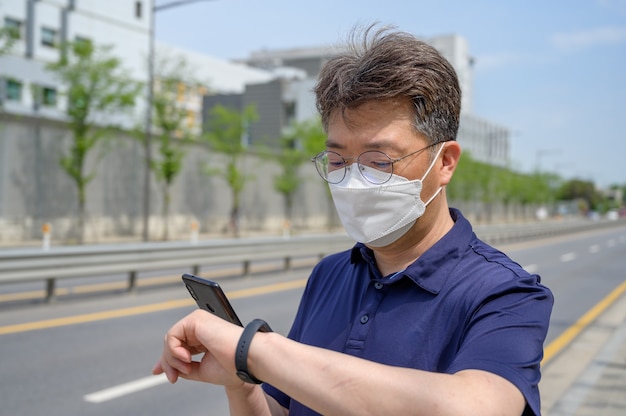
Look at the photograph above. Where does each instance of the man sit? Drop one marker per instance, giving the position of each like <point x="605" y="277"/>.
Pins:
<point x="420" y="317"/>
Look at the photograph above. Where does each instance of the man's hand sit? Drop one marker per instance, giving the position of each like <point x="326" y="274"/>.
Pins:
<point x="200" y="333"/>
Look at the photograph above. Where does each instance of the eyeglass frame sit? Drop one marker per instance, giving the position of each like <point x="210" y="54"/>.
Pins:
<point x="356" y="159"/>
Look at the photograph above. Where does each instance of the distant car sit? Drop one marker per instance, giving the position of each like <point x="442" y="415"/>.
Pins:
<point x="612" y="215"/>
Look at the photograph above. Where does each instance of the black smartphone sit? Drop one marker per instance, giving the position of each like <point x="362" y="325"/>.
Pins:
<point x="210" y="297"/>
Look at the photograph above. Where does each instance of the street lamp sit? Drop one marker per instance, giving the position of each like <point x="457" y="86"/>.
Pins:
<point x="148" y="138"/>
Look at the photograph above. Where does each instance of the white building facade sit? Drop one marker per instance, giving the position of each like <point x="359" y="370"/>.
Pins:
<point x="42" y="26"/>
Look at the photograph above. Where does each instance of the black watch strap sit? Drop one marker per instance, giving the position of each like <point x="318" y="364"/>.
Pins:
<point x="241" y="355"/>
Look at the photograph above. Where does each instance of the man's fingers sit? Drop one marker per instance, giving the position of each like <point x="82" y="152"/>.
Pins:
<point x="157" y="369"/>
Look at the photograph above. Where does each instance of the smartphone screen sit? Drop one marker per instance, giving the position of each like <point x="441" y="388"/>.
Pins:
<point x="209" y="296"/>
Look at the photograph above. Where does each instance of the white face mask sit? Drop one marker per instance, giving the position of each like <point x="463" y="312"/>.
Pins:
<point x="378" y="215"/>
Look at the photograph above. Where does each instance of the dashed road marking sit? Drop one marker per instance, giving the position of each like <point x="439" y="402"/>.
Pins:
<point x="124" y="389"/>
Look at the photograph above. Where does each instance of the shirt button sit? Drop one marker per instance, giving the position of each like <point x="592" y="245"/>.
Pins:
<point x="378" y="285"/>
<point x="364" y="319"/>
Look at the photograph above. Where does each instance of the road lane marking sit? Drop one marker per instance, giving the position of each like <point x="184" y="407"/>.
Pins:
<point x="92" y="317"/>
<point x="594" y="248"/>
<point x="549" y="352"/>
<point x="575" y="396"/>
<point x="138" y="310"/>
<point x="573" y="331"/>
<point x="554" y="348"/>
<point x="124" y="389"/>
<point x="568" y="257"/>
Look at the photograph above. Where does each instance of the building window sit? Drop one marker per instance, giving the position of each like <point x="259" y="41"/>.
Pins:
<point x="13" y="90"/>
<point x="14" y="27"/>
<point x="49" y="97"/>
<point x="290" y="113"/>
<point x="138" y="9"/>
<point x="49" y="37"/>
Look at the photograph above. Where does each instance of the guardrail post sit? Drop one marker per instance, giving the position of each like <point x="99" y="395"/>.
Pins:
<point x="287" y="263"/>
<point x="132" y="281"/>
<point x="246" y="267"/>
<point x="195" y="269"/>
<point x="50" y="283"/>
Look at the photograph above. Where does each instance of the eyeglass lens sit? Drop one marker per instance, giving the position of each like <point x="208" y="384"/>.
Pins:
<point x="375" y="166"/>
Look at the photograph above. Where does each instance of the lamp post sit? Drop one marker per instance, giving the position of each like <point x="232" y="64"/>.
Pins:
<point x="148" y="137"/>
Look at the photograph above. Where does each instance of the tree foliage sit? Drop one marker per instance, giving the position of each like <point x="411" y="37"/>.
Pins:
<point x="7" y="40"/>
<point x="476" y="181"/>
<point x="95" y="86"/>
<point x="583" y="191"/>
<point x="8" y="36"/>
<point x="479" y="181"/>
<point x="297" y="145"/>
<point x="171" y="122"/>
<point x="226" y="132"/>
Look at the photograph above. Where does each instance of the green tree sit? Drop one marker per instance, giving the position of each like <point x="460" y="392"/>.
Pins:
<point x="583" y="191"/>
<point x="226" y="132"/>
<point x="95" y="85"/>
<point x="8" y="36"/>
<point x="171" y="121"/>
<point x="7" y="40"/>
<point x="476" y="181"/>
<point x="466" y="185"/>
<point x="297" y="146"/>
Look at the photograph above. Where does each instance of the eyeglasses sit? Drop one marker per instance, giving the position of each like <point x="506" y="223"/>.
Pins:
<point x="375" y="166"/>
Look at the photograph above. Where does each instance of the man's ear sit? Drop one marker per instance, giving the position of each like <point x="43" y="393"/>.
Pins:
<point x="449" y="160"/>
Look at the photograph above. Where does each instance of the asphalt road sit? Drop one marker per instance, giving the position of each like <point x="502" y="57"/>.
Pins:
<point x="92" y="354"/>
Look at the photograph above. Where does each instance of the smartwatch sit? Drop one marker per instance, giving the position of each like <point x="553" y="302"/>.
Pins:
<point x="241" y="355"/>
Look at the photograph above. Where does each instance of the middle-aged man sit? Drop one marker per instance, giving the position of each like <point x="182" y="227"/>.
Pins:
<point x="420" y="317"/>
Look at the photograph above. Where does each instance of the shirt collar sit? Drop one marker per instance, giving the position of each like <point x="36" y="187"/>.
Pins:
<point x="431" y="270"/>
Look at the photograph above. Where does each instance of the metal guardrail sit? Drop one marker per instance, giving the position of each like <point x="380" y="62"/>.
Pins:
<point x="23" y="265"/>
<point x="30" y="264"/>
<point x="510" y="233"/>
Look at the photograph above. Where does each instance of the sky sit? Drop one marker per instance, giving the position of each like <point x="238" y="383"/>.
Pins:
<point x="553" y="72"/>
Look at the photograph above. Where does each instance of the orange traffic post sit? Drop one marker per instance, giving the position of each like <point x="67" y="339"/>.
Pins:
<point x="194" y="231"/>
<point x="46" y="228"/>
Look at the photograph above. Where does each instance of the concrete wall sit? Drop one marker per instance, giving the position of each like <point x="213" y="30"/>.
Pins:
<point x="34" y="189"/>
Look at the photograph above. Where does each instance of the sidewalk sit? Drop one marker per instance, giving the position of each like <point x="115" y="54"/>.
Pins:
<point x="588" y="378"/>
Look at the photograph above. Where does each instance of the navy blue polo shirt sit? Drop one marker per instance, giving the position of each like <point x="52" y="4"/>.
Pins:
<point x="461" y="305"/>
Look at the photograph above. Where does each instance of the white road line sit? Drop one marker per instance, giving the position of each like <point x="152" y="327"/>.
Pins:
<point x="594" y="248"/>
<point x="124" y="389"/>
<point x="610" y="243"/>
<point x="568" y="257"/>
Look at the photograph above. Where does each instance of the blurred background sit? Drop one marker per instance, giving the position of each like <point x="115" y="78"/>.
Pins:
<point x="138" y="120"/>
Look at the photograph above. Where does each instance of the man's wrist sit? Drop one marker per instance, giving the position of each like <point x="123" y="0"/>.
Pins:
<point x="243" y="346"/>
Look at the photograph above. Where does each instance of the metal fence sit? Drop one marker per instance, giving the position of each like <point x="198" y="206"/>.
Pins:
<point x="62" y="262"/>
